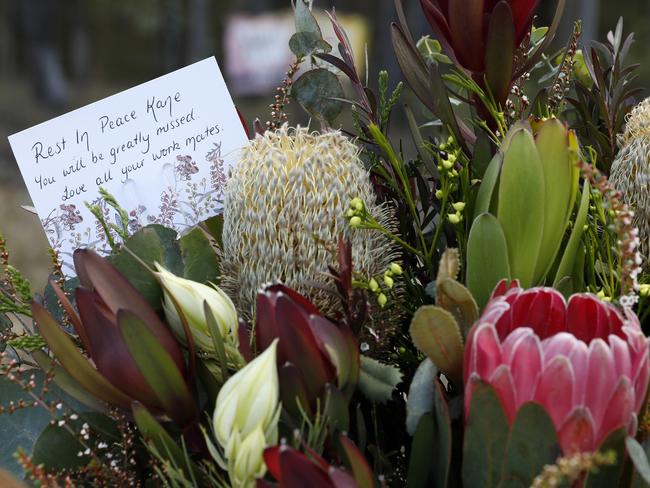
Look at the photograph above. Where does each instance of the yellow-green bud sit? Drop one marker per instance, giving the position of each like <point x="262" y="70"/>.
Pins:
<point x="357" y="204"/>
<point x="644" y="290"/>
<point x="452" y="158"/>
<point x="454" y="173"/>
<point x="396" y="269"/>
<point x="388" y="281"/>
<point x="459" y="206"/>
<point x="373" y="285"/>
<point x="603" y="297"/>
<point x="439" y="194"/>
<point x="454" y="218"/>
<point x="447" y="164"/>
<point x="382" y="300"/>
<point x="355" y="222"/>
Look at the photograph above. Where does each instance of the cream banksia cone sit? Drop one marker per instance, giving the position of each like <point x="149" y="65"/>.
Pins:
<point x="630" y="172"/>
<point x="284" y="210"/>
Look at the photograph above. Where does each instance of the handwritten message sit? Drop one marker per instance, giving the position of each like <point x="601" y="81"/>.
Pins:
<point x="162" y="149"/>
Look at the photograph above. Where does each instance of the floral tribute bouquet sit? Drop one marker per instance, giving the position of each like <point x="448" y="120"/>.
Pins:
<point x="464" y="307"/>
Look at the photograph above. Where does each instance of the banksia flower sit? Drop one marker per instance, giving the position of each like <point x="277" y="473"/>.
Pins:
<point x="285" y="209"/>
<point x="584" y="362"/>
<point x="630" y="173"/>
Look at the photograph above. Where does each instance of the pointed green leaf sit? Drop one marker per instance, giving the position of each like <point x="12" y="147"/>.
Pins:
<point x="486" y="435"/>
<point x="359" y="465"/>
<point x="521" y="205"/>
<point x="486" y="195"/>
<point x="158" y="368"/>
<point x="487" y="258"/>
<point x="420" y="471"/>
<point x="435" y="332"/>
<point x="532" y="444"/>
<point x="163" y="443"/>
<point x="420" y="397"/>
<point x="639" y="456"/>
<point x="74" y="362"/>
<point x="305" y="21"/>
<point x="567" y="264"/>
<point x="553" y="147"/>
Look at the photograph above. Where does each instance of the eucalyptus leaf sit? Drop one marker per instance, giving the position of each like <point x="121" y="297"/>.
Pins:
<point x="304" y="44"/>
<point x="608" y="476"/>
<point x="639" y="456"/>
<point x="319" y="92"/>
<point x="486" y="436"/>
<point x="420" y="398"/>
<point x="200" y="262"/>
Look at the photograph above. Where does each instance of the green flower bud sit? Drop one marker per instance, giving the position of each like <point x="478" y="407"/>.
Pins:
<point x="373" y="285"/>
<point x="396" y="269"/>
<point x="454" y="218"/>
<point x="459" y="206"/>
<point x="357" y="204"/>
<point x="439" y="194"/>
<point x="388" y="281"/>
<point x="355" y="222"/>
<point x="382" y="300"/>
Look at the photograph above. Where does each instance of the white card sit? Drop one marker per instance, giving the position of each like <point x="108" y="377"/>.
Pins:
<point x="162" y="149"/>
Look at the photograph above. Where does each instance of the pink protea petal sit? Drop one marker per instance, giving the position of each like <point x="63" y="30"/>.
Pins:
<point x="621" y="353"/>
<point x="501" y="381"/>
<point x="486" y="351"/>
<point x="470" y="385"/>
<point x="641" y="375"/>
<point x="525" y="367"/>
<point x="558" y="345"/>
<point x="555" y="389"/>
<point x="601" y="379"/>
<point x="615" y="320"/>
<point x="618" y="411"/>
<point x="577" y="433"/>
<point x="587" y="317"/>
<point x="521" y="312"/>
<point x="579" y="358"/>
<point x="508" y="346"/>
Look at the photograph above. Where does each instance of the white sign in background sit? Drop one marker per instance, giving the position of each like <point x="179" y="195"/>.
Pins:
<point x="163" y="149"/>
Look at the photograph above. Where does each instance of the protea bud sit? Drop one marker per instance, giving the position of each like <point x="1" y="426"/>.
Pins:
<point x="284" y="211"/>
<point x="630" y="173"/>
<point x="246" y="417"/>
<point x="584" y="362"/>
<point x="191" y="296"/>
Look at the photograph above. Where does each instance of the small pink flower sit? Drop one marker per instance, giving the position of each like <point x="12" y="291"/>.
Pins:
<point x="585" y="363"/>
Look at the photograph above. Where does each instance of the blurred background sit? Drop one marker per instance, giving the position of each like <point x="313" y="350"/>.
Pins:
<point x="57" y="55"/>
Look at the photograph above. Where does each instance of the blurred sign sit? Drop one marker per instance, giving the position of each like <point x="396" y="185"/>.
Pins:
<point x="162" y="149"/>
<point x="257" y="48"/>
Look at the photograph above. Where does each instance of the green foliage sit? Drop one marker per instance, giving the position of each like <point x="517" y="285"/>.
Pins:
<point x="377" y="381"/>
<point x="319" y="92"/>
<point x="436" y="333"/>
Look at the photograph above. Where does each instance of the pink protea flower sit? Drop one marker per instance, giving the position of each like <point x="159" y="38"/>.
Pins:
<point x="585" y="363"/>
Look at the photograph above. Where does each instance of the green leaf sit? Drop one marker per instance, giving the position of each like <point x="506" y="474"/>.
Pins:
<point x="455" y="298"/>
<point x="487" y="258"/>
<point x="20" y="429"/>
<point x="608" y="476"/>
<point x="214" y="227"/>
<point x="200" y="262"/>
<point x="521" y="205"/>
<point x="163" y="443"/>
<point x="553" y="147"/>
<point x="486" y="435"/>
<point x="426" y="401"/>
<point x="305" y="20"/>
<point x="378" y="380"/>
<point x="532" y="444"/>
<point x="317" y="91"/>
<point x="57" y="449"/>
<point x="304" y="44"/>
<point x="639" y="457"/>
<point x="567" y="264"/>
<point x="420" y="471"/>
<point x="435" y="332"/>
<point x="158" y="368"/>
<point x="154" y="243"/>
<point x="486" y="195"/>
<point x="358" y="464"/>
<point x="420" y="398"/>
